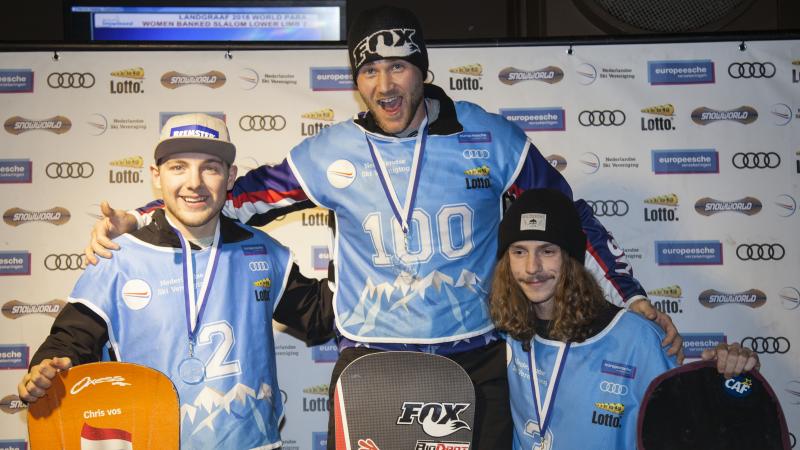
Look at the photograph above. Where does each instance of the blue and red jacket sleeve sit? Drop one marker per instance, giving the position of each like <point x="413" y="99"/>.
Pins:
<point x="605" y="258"/>
<point x="265" y="193"/>
<point x="256" y="198"/>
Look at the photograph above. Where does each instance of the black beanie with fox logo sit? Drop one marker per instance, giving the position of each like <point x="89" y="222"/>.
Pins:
<point x="386" y="32"/>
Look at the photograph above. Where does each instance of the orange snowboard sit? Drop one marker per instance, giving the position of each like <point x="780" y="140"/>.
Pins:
<point x="106" y="405"/>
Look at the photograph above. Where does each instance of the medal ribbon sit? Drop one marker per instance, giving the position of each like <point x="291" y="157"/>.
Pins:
<point x="402" y="213"/>
<point x="544" y="409"/>
<point x="194" y="311"/>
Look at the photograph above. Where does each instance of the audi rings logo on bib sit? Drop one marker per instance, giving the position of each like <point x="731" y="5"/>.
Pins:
<point x="262" y="123"/>
<point x="66" y="80"/>
<point x="756" y="160"/>
<point x="66" y="170"/>
<point x="341" y="173"/>
<point x="613" y="388"/>
<point x="136" y="294"/>
<point x="604" y="118"/>
<point x="760" y="252"/>
<point x="64" y="261"/>
<point x="475" y="153"/>
<point x="608" y="208"/>
<point x="770" y="345"/>
<point x="751" y="70"/>
<point x="258" y="266"/>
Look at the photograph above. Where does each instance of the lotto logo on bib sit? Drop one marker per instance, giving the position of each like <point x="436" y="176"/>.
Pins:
<point x="341" y="173"/>
<point x="136" y="294"/>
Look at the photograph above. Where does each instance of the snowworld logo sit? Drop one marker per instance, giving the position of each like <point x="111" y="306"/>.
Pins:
<point x="437" y="419"/>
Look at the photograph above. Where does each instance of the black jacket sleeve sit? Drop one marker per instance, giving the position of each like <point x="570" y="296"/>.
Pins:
<point x="306" y="308"/>
<point x="77" y="333"/>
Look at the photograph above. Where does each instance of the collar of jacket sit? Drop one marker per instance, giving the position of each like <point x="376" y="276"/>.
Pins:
<point x="160" y="233"/>
<point x="446" y="123"/>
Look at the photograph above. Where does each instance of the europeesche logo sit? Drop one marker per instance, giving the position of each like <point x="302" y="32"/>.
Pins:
<point x="685" y="161"/>
<point x="695" y="343"/>
<point x="15" y="171"/>
<point x="16" y="81"/>
<point x="332" y="79"/>
<point x="687" y="253"/>
<point x="700" y="71"/>
<point x="15" y="263"/>
<point x="536" y="119"/>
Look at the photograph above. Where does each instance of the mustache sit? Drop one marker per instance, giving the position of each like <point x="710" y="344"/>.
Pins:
<point x="537" y="277"/>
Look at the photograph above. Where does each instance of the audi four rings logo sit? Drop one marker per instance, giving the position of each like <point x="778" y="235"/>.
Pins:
<point x="756" y="160"/>
<point x="613" y="388"/>
<point x="769" y="345"/>
<point x="751" y="70"/>
<point x="70" y="80"/>
<point x="760" y="252"/>
<point x="262" y="123"/>
<point x="259" y="266"/>
<point x="65" y="262"/>
<point x="69" y="170"/>
<point x="606" y="208"/>
<point x="474" y="153"/>
<point x="603" y="118"/>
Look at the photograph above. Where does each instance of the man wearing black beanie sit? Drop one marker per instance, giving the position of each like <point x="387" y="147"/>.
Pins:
<point x="417" y="184"/>
<point x="579" y="366"/>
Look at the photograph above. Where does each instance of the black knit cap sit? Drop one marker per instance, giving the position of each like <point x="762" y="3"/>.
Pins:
<point x="386" y="32"/>
<point x="543" y="215"/>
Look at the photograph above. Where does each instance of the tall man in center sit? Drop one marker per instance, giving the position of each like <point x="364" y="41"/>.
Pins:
<point x="416" y="184"/>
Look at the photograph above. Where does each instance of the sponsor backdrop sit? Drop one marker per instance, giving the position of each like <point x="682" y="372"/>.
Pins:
<point x="689" y="153"/>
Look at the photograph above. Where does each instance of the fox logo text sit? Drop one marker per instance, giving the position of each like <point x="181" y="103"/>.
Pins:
<point x="437" y="419"/>
<point x="395" y="43"/>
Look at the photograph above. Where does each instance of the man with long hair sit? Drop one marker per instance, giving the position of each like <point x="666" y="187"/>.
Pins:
<point x="578" y="366"/>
